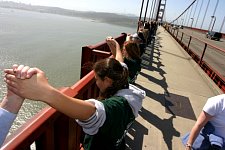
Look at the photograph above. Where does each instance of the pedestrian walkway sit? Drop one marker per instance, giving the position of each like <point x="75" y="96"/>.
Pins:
<point x="176" y="91"/>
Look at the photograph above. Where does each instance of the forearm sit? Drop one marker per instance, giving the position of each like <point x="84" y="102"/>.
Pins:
<point x="12" y="103"/>
<point x="72" y="107"/>
<point x="119" y="55"/>
<point x="200" y="123"/>
<point x="113" y="50"/>
<point x="193" y="134"/>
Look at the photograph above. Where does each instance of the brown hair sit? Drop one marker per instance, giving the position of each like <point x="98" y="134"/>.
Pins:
<point x="132" y="49"/>
<point x="112" y="69"/>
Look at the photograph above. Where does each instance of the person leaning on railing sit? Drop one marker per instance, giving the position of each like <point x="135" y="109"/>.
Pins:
<point x="10" y="106"/>
<point x="104" y="120"/>
<point x="130" y="55"/>
<point x="208" y="132"/>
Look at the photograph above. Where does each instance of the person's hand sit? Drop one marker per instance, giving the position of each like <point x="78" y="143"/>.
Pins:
<point x="34" y="88"/>
<point x="12" y="102"/>
<point x="21" y="71"/>
<point x="129" y="37"/>
<point x="111" y="41"/>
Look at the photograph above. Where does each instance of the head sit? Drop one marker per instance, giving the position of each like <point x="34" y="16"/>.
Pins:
<point x="135" y="37"/>
<point x="131" y="50"/>
<point x="110" y="77"/>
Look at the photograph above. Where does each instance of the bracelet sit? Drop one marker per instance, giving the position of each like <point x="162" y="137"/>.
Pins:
<point x="188" y="145"/>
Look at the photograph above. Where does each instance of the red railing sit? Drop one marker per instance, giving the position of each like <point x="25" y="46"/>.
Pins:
<point x="89" y="57"/>
<point x="191" y="44"/>
<point x="202" y="30"/>
<point x="50" y="129"/>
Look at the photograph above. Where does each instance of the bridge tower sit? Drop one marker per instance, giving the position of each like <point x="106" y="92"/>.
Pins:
<point x="161" y="10"/>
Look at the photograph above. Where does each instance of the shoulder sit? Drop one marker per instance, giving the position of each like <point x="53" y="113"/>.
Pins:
<point x="215" y="104"/>
<point x="114" y="100"/>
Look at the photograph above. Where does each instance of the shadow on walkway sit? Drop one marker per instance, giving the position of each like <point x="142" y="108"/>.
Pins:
<point x="151" y="61"/>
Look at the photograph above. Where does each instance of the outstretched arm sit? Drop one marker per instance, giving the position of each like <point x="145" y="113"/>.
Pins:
<point x="9" y="108"/>
<point x="38" y="88"/>
<point x="115" y="48"/>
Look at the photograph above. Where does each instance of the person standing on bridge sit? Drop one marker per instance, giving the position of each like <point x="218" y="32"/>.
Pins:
<point x="130" y="55"/>
<point x="104" y="120"/>
<point x="209" y="129"/>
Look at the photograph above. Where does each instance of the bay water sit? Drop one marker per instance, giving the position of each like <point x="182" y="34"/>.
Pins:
<point x="50" y="42"/>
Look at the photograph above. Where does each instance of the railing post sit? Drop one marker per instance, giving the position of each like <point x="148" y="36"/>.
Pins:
<point x="189" y="43"/>
<point x="203" y="54"/>
<point x="182" y="36"/>
<point x="177" y="34"/>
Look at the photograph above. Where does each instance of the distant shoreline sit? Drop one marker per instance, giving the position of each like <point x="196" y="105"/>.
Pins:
<point x="111" y="18"/>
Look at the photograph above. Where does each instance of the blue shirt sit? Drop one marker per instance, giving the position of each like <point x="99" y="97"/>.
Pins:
<point x="6" y="120"/>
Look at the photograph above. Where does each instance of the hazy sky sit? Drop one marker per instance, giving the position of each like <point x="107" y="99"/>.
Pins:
<point x="173" y="8"/>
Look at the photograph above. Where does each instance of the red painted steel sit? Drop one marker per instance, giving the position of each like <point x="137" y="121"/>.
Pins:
<point x="50" y="129"/>
<point x="212" y="73"/>
<point x="202" y="31"/>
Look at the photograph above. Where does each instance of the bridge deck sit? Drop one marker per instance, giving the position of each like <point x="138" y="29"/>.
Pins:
<point x="176" y="90"/>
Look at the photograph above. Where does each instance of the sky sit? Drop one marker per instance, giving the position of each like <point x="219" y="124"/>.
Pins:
<point x="173" y="8"/>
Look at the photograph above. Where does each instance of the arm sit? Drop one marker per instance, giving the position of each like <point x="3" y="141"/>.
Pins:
<point x="38" y="88"/>
<point x="200" y="123"/>
<point x="10" y="106"/>
<point x="115" y="48"/>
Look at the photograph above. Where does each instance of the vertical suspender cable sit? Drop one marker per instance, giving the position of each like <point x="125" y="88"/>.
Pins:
<point x="153" y="11"/>
<point x="199" y="13"/>
<point x="205" y="14"/>
<point x="146" y="10"/>
<point x="140" y="15"/>
<point x="213" y="16"/>
<point x="150" y="11"/>
<point x="222" y="24"/>
<point x="186" y="17"/>
<point x="195" y="9"/>
<point x="157" y="13"/>
<point x="190" y="15"/>
<point x="185" y="10"/>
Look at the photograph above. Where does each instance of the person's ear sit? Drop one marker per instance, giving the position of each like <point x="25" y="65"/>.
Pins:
<point x="108" y="81"/>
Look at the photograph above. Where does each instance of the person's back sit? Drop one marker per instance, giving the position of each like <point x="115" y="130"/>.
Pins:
<point x="132" y="59"/>
<point x="215" y="107"/>
<point x="111" y="135"/>
<point x="209" y="129"/>
<point x="134" y="66"/>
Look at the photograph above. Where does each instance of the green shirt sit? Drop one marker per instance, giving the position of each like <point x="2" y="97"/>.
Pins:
<point x="110" y="136"/>
<point x="134" y="67"/>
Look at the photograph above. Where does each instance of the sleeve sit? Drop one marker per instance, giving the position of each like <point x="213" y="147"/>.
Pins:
<point x="6" y="120"/>
<point x="124" y="65"/>
<point x="214" y="105"/>
<point x="92" y="125"/>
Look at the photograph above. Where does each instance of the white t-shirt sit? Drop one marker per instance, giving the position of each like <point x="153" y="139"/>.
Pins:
<point x="215" y="106"/>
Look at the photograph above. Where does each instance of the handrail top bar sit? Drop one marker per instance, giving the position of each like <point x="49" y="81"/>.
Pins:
<point x="220" y="49"/>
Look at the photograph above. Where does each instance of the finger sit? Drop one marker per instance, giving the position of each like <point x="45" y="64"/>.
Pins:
<point x="10" y="82"/>
<point x="9" y="71"/>
<point x="23" y="72"/>
<point x="10" y="77"/>
<point x="15" y="66"/>
<point x="31" y="72"/>
<point x="18" y="71"/>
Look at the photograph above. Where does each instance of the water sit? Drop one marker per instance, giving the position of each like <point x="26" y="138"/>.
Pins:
<point x="50" y="42"/>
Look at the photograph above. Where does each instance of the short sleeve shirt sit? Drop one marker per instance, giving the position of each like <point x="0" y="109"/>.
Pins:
<point x="118" y="116"/>
<point x="215" y="106"/>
